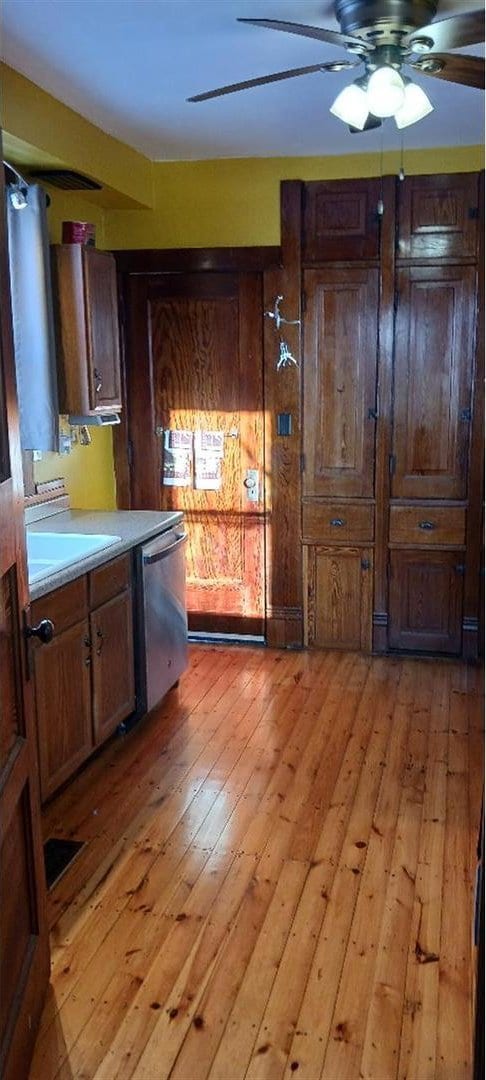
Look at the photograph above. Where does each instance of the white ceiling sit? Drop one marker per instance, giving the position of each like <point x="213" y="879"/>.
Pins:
<point x="129" y="65"/>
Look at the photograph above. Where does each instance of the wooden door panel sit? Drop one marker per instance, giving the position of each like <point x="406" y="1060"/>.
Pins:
<point x="341" y="220"/>
<point x="433" y="370"/>
<point x="339" y="597"/>
<point x="438" y="216"/>
<point x="24" y="961"/>
<point x="426" y="600"/>
<point x="113" y="674"/>
<point x="101" y="315"/>
<point x="340" y="350"/>
<point x="205" y="339"/>
<point x="63" y="705"/>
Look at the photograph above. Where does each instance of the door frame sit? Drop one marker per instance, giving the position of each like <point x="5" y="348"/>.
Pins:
<point x="280" y="270"/>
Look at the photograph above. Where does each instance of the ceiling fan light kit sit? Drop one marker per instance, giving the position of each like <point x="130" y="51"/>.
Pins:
<point x="385" y="35"/>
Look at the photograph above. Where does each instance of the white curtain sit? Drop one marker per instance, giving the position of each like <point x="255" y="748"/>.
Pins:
<point x="33" y="322"/>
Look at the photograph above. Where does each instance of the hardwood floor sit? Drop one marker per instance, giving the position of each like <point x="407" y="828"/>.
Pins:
<point x="277" y="878"/>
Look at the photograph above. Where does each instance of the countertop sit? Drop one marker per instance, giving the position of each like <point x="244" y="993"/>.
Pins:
<point x="133" y="526"/>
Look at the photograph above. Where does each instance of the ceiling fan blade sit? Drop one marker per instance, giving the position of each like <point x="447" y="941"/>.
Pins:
<point x="261" y="81"/>
<point x="453" y="33"/>
<point x="316" y="32"/>
<point x="456" y="68"/>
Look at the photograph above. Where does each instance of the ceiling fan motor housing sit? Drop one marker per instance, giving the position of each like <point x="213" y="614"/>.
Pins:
<point x="381" y="20"/>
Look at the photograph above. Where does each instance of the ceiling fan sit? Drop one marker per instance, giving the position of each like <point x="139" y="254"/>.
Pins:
<point x="384" y="35"/>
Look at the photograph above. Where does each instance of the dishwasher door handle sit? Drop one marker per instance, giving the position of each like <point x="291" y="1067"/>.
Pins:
<point x="156" y="556"/>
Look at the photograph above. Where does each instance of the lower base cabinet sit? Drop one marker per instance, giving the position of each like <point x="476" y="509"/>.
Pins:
<point x="339" y="597"/>
<point x="425" y="605"/>
<point x="84" y="679"/>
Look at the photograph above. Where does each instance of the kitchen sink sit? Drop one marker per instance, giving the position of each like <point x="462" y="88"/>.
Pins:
<point x="48" y="552"/>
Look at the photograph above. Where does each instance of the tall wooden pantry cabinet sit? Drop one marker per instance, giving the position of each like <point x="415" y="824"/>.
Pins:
<point x="392" y="413"/>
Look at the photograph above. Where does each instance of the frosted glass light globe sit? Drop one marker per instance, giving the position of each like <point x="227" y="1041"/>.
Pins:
<point x="385" y="92"/>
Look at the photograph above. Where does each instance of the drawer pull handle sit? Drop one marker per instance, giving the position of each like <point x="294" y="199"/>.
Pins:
<point x="99" y="635"/>
<point x="427" y="525"/>
<point x="338" y="522"/>
<point x="98" y="381"/>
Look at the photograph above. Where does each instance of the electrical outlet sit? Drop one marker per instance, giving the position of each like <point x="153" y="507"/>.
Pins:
<point x="36" y="455"/>
<point x="64" y="444"/>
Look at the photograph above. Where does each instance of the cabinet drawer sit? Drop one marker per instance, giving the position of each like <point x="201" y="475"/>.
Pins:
<point x="65" y="606"/>
<point x="427" y="525"/>
<point x="340" y="521"/>
<point x="108" y="580"/>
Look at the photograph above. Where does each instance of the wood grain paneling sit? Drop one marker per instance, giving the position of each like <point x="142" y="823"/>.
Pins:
<point x="427" y="524"/>
<point x="283" y="469"/>
<point x="108" y="580"/>
<point x="65" y="606"/>
<point x="112" y="665"/>
<point x="343" y="522"/>
<point x="434" y="353"/>
<point x="438" y="217"/>
<point x="102" y="326"/>
<point x="339" y="599"/>
<point x="341" y="220"/>
<point x="63" y="705"/>
<point x="426" y="600"/>
<point x="340" y="345"/>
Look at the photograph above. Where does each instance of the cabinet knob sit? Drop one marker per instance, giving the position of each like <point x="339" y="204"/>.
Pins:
<point x="99" y="635"/>
<point x="365" y="564"/>
<point x="427" y="525"/>
<point x="337" y="522"/>
<point x="98" y="380"/>
<point x="44" y="631"/>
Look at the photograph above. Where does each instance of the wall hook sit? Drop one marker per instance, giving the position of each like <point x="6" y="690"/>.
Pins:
<point x="279" y="319"/>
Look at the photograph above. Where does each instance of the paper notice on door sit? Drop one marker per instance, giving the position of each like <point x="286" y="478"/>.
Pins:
<point x="208" y="460"/>
<point x="177" y="461"/>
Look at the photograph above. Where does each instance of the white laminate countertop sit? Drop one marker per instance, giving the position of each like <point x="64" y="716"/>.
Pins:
<point x="133" y="526"/>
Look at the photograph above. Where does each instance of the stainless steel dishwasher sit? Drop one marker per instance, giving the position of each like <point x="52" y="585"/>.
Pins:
<point x="163" y="622"/>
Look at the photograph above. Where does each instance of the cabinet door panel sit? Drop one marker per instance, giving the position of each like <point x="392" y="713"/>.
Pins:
<point x="63" y="705"/>
<point x="339" y="584"/>
<point x="113" y="676"/>
<point x="340" y="333"/>
<point x="438" y="216"/>
<point x="102" y="327"/>
<point x="432" y="395"/>
<point x="341" y="220"/>
<point x="426" y="600"/>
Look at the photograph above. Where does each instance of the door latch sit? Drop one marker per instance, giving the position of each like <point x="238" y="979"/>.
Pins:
<point x="252" y="484"/>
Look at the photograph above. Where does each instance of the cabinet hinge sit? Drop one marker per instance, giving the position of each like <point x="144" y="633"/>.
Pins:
<point x="130" y="452"/>
<point x="473" y="213"/>
<point x="302" y="462"/>
<point x="392" y="464"/>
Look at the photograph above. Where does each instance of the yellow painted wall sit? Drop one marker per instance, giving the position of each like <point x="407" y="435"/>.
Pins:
<point x="87" y="470"/>
<point x="237" y="202"/>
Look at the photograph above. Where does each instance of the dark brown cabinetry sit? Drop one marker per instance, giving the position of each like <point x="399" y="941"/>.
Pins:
<point x="87" y="329"/>
<point x="84" y="679"/>
<point x="389" y="409"/>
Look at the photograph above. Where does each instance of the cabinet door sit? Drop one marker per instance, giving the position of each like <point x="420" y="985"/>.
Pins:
<point x="438" y="216"/>
<point x="113" y="674"/>
<point x="63" y="705"/>
<point x="339" y="597"/>
<point x="102" y="329"/>
<point x="341" y="220"/>
<point x="340" y="335"/>
<point x="434" y="346"/>
<point x="425" y="610"/>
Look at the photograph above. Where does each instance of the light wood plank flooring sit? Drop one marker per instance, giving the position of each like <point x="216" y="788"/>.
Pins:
<point x="277" y="879"/>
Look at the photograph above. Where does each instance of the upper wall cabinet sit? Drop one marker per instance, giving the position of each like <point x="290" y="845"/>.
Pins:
<point x="438" y="217"/>
<point x="434" y="349"/>
<point x="88" y="339"/>
<point x="340" y="344"/>
<point x="341" y="220"/>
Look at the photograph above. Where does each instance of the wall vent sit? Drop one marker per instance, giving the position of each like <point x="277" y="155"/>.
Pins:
<point x="66" y="179"/>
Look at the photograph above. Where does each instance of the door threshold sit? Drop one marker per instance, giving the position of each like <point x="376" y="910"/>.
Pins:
<point x="221" y="639"/>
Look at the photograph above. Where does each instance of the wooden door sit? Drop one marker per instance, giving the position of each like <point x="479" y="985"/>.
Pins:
<point x="24" y="960"/>
<point x="339" y="597"/>
<point x="63" y="705"/>
<point x="434" y="352"/>
<point x="340" y="357"/>
<point x="113" y="675"/>
<point x="102" y="328"/>
<point x="426" y="600"/>
<point x="438" y="216"/>
<point x="195" y="364"/>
